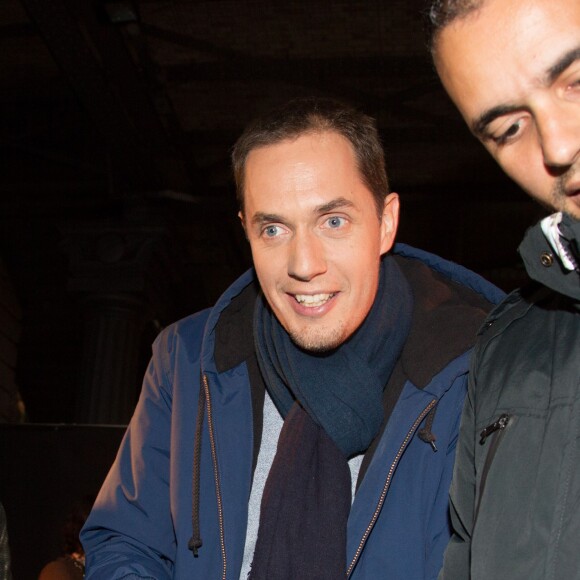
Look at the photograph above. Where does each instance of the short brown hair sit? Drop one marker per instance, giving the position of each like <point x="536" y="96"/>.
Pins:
<point x="317" y="115"/>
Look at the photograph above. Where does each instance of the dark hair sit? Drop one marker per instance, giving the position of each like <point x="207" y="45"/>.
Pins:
<point x="74" y="522"/>
<point x="441" y="13"/>
<point x="317" y="115"/>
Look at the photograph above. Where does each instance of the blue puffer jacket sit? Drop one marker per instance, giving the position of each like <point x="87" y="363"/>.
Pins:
<point x="142" y="521"/>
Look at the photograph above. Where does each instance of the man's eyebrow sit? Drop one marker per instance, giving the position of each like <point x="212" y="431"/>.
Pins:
<point x="334" y="204"/>
<point x="479" y="126"/>
<point x="562" y="64"/>
<point x="260" y="218"/>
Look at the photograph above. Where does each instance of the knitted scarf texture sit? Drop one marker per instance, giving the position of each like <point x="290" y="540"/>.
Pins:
<point x="332" y="408"/>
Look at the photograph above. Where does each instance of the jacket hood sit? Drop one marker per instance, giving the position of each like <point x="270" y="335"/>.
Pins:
<point x="248" y="278"/>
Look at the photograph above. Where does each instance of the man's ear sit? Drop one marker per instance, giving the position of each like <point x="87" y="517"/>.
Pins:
<point x="389" y="222"/>
<point x="243" y="220"/>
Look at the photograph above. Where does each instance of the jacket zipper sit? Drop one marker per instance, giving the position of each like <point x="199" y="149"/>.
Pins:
<point x="215" y="474"/>
<point x="497" y="427"/>
<point x="387" y="485"/>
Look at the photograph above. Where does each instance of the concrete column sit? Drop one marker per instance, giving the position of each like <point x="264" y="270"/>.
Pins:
<point x="110" y="373"/>
<point x="123" y="271"/>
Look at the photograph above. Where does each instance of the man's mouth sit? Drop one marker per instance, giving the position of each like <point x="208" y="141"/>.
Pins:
<point x="570" y="182"/>
<point x="572" y="193"/>
<point x="313" y="300"/>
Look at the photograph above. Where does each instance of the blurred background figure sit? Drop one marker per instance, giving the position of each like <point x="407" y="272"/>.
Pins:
<point x="71" y="565"/>
<point x="4" y="548"/>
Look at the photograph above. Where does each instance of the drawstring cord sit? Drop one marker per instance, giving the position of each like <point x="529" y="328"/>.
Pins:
<point x="195" y="541"/>
<point x="426" y="434"/>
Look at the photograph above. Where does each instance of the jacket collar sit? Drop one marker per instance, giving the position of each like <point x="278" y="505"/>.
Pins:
<point x="450" y="304"/>
<point x="543" y="264"/>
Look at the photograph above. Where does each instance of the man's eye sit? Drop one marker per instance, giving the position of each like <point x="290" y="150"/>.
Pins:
<point x="511" y="132"/>
<point x="271" y="231"/>
<point x="335" y="222"/>
<point x="575" y="85"/>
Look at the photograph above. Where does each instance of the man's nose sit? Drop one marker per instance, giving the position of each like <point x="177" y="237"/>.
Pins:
<point x="307" y="257"/>
<point x="559" y="130"/>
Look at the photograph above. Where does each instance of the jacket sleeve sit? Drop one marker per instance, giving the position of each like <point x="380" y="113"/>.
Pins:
<point x="129" y="533"/>
<point x="456" y="562"/>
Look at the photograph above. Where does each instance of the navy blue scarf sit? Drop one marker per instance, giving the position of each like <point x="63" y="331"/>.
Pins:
<point x="332" y="405"/>
<point x="341" y="389"/>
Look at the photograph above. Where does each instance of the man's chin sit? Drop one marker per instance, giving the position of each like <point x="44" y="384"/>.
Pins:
<point x="572" y="209"/>
<point x="318" y="342"/>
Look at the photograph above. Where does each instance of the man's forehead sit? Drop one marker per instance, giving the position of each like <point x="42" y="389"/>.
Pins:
<point x="310" y="152"/>
<point x="513" y="25"/>
<point x="500" y="52"/>
<point x="312" y="175"/>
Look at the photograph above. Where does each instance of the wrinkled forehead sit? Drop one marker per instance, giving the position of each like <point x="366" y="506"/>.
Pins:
<point x="497" y="54"/>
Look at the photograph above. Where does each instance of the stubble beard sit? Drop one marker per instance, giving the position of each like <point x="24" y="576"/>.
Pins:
<point x="561" y="201"/>
<point x="319" y="341"/>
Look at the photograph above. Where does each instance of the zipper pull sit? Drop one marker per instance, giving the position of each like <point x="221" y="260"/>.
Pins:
<point x="498" y="425"/>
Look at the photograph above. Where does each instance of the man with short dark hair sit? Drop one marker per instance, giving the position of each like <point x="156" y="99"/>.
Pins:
<point x="328" y="382"/>
<point x="512" y="67"/>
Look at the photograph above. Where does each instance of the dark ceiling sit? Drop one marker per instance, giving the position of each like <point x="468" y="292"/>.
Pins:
<point x="118" y="117"/>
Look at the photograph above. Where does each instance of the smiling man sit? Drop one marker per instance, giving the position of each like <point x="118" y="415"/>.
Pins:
<point x="305" y="426"/>
<point x="316" y="236"/>
<point x="513" y="69"/>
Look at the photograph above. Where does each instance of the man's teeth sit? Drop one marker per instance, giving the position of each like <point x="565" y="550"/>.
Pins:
<point x="313" y="299"/>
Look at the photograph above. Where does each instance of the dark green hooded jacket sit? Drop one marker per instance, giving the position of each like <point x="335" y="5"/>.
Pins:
<point x="515" y="496"/>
